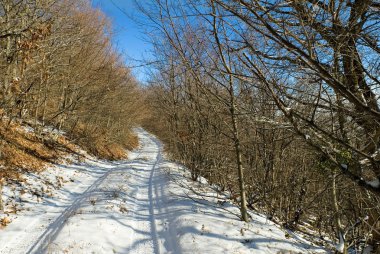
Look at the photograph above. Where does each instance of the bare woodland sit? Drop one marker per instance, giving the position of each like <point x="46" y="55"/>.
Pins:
<point x="277" y="102"/>
<point x="58" y="70"/>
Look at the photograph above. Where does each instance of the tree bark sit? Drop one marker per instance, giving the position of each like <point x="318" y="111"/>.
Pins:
<point x="239" y="162"/>
<point x="337" y="212"/>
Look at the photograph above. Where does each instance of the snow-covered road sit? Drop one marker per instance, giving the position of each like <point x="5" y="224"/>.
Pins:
<point x="144" y="205"/>
<point x="117" y="213"/>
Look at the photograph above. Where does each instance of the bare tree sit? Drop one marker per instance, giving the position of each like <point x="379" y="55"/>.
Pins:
<point x="294" y="86"/>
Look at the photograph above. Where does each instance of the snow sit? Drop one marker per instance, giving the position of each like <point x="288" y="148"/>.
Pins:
<point x="41" y="200"/>
<point x="364" y="162"/>
<point x="376" y="153"/>
<point x="146" y="204"/>
<point x="340" y="246"/>
<point x="375" y="183"/>
<point x="367" y="250"/>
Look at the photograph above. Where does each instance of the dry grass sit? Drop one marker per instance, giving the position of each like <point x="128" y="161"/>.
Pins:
<point x="102" y="142"/>
<point x="132" y="141"/>
<point x="110" y="151"/>
<point x="28" y="151"/>
<point x="23" y="150"/>
<point x="4" y="221"/>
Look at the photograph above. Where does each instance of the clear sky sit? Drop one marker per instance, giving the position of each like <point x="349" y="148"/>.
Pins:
<point x="128" y="35"/>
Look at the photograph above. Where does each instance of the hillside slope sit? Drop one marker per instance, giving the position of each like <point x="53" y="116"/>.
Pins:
<point x="145" y="204"/>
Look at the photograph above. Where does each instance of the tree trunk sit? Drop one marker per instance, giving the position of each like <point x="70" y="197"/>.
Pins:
<point x="239" y="162"/>
<point x="342" y="243"/>
<point x="8" y="57"/>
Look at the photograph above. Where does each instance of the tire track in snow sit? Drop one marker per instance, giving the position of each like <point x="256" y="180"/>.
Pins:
<point x="156" y="200"/>
<point x="151" y="204"/>
<point x="41" y="245"/>
<point x="148" y="198"/>
<point x="51" y="232"/>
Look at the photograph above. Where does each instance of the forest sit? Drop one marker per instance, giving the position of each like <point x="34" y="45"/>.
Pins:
<point x="59" y="69"/>
<point x="276" y="102"/>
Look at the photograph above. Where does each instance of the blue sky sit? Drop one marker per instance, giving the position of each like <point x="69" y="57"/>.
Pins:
<point x="128" y="36"/>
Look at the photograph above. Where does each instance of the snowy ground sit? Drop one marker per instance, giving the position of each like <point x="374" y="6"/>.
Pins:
<point x="143" y="205"/>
